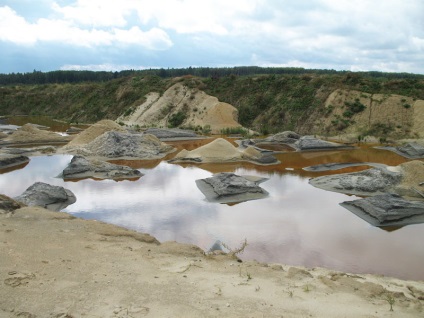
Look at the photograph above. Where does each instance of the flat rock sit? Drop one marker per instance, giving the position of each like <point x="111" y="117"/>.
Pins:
<point x="410" y="150"/>
<point x="115" y="144"/>
<point x="51" y="197"/>
<point x="174" y="133"/>
<point x="368" y="182"/>
<point x="311" y="143"/>
<point x="81" y="167"/>
<point x="387" y="210"/>
<point x="74" y="130"/>
<point x="8" y="160"/>
<point x="228" y="187"/>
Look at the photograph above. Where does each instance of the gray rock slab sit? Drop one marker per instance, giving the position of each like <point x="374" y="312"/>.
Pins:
<point x="228" y="187"/>
<point x="48" y="196"/>
<point x="8" y="160"/>
<point x="387" y="210"/>
<point x="411" y="150"/>
<point x="81" y="167"/>
<point x="171" y="133"/>
<point x="340" y="165"/>
<point x="368" y="182"/>
<point x="306" y="143"/>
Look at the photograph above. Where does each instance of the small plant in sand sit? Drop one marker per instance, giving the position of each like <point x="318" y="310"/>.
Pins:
<point x="306" y="289"/>
<point x="390" y="299"/>
<point x="249" y="276"/>
<point x="291" y="293"/>
<point x="236" y="251"/>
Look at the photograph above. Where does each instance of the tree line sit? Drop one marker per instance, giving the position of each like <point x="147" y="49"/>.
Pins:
<point x="59" y="77"/>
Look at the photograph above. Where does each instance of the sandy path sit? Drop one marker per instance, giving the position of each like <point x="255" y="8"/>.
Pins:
<point x="53" y="265"/>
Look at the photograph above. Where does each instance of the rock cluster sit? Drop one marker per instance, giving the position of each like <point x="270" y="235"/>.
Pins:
<point x="115" y="144"/>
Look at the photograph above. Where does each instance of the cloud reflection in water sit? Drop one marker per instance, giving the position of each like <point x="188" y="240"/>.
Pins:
<point x="297" y="224"/>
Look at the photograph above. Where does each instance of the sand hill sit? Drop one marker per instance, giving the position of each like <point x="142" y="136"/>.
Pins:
<point x="199" y="109"/>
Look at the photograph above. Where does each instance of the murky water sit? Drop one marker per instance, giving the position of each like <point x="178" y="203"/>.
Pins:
<point x="297" y="224"/>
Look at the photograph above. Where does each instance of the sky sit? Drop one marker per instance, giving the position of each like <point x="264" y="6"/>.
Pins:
<point x="114" y="35"/>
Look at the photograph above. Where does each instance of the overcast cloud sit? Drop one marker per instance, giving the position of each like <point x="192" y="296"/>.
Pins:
<point x="123" y="34"/>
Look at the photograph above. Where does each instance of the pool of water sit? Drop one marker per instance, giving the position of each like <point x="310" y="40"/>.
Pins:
<point x="296" y="225"/>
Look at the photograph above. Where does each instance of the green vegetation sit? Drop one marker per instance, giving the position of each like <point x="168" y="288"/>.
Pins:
<point x="268" y="100"/>
<point x="176" y="119"/>
<point x="353" y="108"/>
<point x="234" y="131"/>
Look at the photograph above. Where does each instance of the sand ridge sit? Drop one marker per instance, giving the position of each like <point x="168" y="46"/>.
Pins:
<point x="93" y="269"/>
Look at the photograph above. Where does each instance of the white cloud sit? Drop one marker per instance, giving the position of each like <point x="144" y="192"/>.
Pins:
<point x="16" y="29"/>
<point x="341" y="34"/>
<point x="97" y="13"/>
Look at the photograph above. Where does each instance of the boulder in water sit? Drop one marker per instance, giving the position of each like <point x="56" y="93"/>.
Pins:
<point x="228" y="187"/>
<point x="51" y="197"/>
<point x="81" y="167"/>
<point x="387" y="210"/>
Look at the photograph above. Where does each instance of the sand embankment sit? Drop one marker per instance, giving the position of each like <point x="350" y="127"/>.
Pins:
<point x="54" y="265"/>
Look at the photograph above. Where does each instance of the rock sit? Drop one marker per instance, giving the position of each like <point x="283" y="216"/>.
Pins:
<point x="29" y="151"/>
<point x="285" y="137"/>
<point x="73" y="130"/>
<point x="338" y="166"/>
<point x="368" y="182"/>
<point x="8" y="204"/>
<point x="174" y="133"/>
<point x="221" y="150"/>
<point x="410" y="150"/>
<point x="312" y="143"/>
<point x="230" y="188"/>
<point x="51" y="197"/>
<point x="387" y="210"/>
<point x="8" y="160"/>
<point x="114" y="144"/>
<point x="81" y="167"/>
<point x="30" y="134"/>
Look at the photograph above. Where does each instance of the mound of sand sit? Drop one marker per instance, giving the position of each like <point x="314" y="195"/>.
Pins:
<point x="221" y="150"/>
<point x="413" y="176"/>
<point x="199" y="109"/>
<point x="94" y="131"/>
<point x="30" y="134"/>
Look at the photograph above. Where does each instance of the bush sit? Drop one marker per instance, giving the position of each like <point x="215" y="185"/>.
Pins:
<point x="177" y="119"/>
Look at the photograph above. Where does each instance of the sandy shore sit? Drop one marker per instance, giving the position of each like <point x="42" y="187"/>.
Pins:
<point x="55" y="265"/>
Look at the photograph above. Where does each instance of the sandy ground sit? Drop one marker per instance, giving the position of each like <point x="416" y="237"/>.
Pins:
<point x="55" y="265"/>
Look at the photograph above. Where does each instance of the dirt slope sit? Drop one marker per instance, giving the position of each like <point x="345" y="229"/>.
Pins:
<point x="382" y="114"/>
<point x="198" y="108"/>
